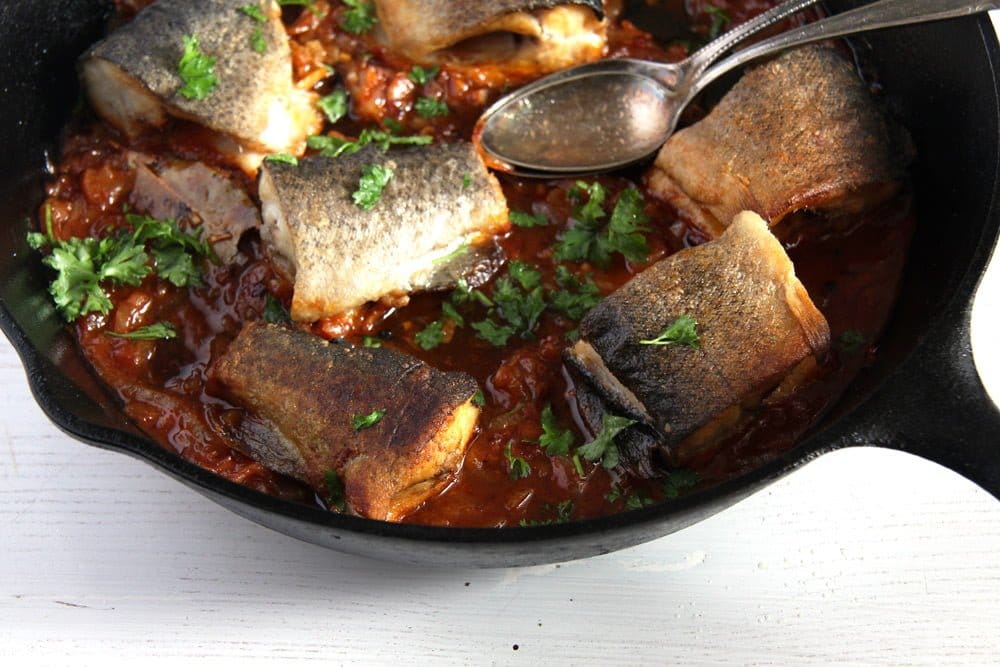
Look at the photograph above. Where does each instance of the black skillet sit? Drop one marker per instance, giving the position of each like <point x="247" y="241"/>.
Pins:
<point x="922" y="395"/>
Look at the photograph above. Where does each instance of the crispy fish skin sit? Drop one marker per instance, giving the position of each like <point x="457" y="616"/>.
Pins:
<point x="133" y="81"/>
<point x="549" y="34"/>
<point x="304" y="392"/>
<point x="756" y="326"/>
<point x="440" y="199"/>
<point x="798" y="132"/>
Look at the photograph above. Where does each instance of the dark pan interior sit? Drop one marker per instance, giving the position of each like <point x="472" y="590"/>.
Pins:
<point x="939" y="79"/>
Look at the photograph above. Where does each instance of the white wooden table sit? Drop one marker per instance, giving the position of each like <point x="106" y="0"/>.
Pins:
<point x="863" y="556"/>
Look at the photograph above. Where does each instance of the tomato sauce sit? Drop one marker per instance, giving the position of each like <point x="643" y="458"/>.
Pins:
<point x="851" y="268"/>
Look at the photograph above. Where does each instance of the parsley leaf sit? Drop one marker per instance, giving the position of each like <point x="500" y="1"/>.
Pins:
<point x="517" y="467"/>
<point x="564" y="511"/>
<point x="428" y="107"/>
<point x="682" y="331"/>
<point x="360" y="422"/>
<point x="332" y="146"/>
<point x="452" y="314"/>
<point x="554" y="440"/>
<point x="360" y="18"/>
<point x="454" y="254"/>
<point x="334" y="105"/>
<point x="720" y="19"/>
<point x="334" y="490"/>
<point x="679" y="480"/>
<point x="283" y="158"/>
<point x="587" y="241"/>
<point x="257" y="40"/>
<point x="254" y="12"/>
<point x="158" y="331"/>
<point x="603" y="447"/>
<point x="624" y="232"/>
<point x="466" y="180"/>
<point x="635" y="501"/>
<point x="374" y="178"/>
<point x="494" y="333"/>
<point x="519" y="308"/>
<point x="371" y="341"/>
<point x="524" y="273"/>
<point x="196" y="70"/>
<point x="527" y="220"/>
<point x="577" y="297"/>
<point x="479" y="398"/>
<point x="462" y="294"/>
<point x="431" y="336"/>
<point x="421" y="76"/>
<point x="274" y="311"/>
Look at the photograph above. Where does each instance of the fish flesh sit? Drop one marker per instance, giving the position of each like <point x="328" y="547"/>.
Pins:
<point x="304" y="395"/>
<point x="197" y="194"/>
<point x="545" y="35"/>
<point x="756" y="329"/>
<point x="799" y="132"/>
<point x="133" y="78"/>
<point x="435" y="221"/>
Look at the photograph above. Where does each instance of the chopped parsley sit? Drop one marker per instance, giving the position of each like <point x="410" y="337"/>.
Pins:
<point x="466" y="180"/>
<point x="360" y="422"/>
<point x="517" y="467"/>
<point x="615" y="494"/>
<point x="308" y="4"/>
<point x="679" y="480"/>
<point x="83" y="264"/>
<point x="454" y="254"/>
<point x="479" y="398"/>
<point x="334" y="105"/>
<point x="554" y="440"/>
<point x="682" y="331"/>
<point x="491" y="332"/>
<point x="158" y="331"/>
<point x="283" y="158"/>
<point x="577" y="296"/>
<point x="374" y="178"/>
<point x="528" y="276"/>
<point x="359" y="18"/>
<point x="851" y="341"/>
<point x="428" y="107"/>
<point x="527" y="220"/>
<point x="331" y="146"/>
<point x="196" y="70"/>
<point x="720" y="19"/>
<point x="257" y="41"/>
<point x="371" y="341"/>
<point x="254" y="12"/>
<point x="334" y="490"/>
<point x="636" y="501"/>
<point x="603" y="447"/>
<point x="452" y="313"/>
<point x="463" y="294"/>
<point x="421" y="76"/>
<point x="274" y="311"/>
<point x="564" y="511"/>
<point x="431" y="336"/>
<point x="586" y="240"/>
<point x="520" y="308"/>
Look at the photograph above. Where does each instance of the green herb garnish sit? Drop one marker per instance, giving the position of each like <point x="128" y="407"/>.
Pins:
<point x="466" y="180"/>
<point x="528" y="276"/>
<point x="679" y="480"/>
<point x="421" y="76"/>
<point x="334" y="490"/>
<point x="254" y="12"/>
<point x="527" y="220"/>
<point x="577" y="296"/>
<point x="851" y="341"/>
<point x="371" y="341"/>
<point x="635" y="501"/>
<point x="196" y="70"/>
<point x="428" y="107"/>
<point x="454" y="254"/>
<point x="334" y="105"/>
<point x="452" y="314"/>
<point x="479" y="398"/>
<point x="517" y="467"/>
<point x="360" y="422"/>
<point x="274" y="311"/>
<point x="720" y="19"/>
<point x="283" y="158"/>
<point x="158" y="331"/>
<point x="554" y="440"/>
<point x="308" y="4"/>
<point x="491" y="332"/>
<point x="257" y="40"/>
<point x="603" y="447"/>
<point x="431" y="336"/>
<point x="586" y="240"/>
<point x="374" y="178"/>
<point x="682" y="331"/>
<point x="332" y="147"/>
<point x="360" y="18"/>
<point x="564" y="512"/>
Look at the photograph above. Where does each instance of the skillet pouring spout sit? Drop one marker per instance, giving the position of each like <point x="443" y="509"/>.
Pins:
<point x="921" y="395"/>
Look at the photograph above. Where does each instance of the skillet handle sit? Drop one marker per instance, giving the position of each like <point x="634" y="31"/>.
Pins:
<point x="936" y="407"/>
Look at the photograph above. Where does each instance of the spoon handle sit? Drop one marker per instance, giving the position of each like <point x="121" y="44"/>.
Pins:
<point x="700" y="60"/>
<point x="875" y="16"/>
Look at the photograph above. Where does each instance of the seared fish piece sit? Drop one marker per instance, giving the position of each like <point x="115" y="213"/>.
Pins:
<point x="799" y="132"/>
<point x="196" y="193"/>
<point x="133" y="78"/>
<point x="757" y="328"/>
<point x="543" y="34"/>
<point x="434" y="221"/>
<point x="303" y="395"/>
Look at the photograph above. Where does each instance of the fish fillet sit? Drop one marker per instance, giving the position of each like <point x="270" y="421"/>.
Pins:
<point x="133" y="81"/>
<point x="303" y="392"/>
<point x="199" y="194"/>
<point x="756" y="327"/>
<point x="435" y="220"/>
<point x="799" y="132"/>
<point x="545" y="34"/>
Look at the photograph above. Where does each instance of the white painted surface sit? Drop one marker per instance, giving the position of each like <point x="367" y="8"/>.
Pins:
<point x="863" y="556"/>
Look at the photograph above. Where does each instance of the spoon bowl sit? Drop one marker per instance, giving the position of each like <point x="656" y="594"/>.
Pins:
<point x="630" y="107"/>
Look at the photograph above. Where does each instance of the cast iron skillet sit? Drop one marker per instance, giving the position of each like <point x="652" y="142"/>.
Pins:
<point x="922" y="395"/>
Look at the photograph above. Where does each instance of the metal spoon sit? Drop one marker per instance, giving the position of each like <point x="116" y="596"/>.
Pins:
<point x="609" y="114"/>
